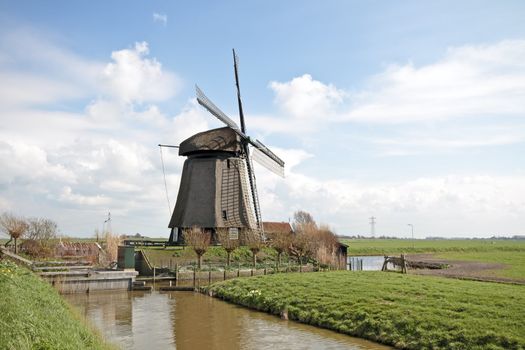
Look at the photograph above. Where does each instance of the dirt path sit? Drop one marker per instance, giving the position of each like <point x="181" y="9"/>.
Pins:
<point x="472" y="270"/>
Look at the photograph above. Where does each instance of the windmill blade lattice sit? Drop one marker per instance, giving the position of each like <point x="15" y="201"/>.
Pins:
<point x="205" y="102"/>
<point x="267" y="162"/>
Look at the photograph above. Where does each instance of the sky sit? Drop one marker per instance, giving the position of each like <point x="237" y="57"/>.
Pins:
<point x="409" y="111"/>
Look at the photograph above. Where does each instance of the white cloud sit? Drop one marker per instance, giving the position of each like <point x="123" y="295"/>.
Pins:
<point x="161" y="18"/>
<point x="134" y="78"/>
<point x="469" y="81"/>
<point x="102" y="156"/>
<point x="69" y="197"/>
<point x="26" y="163"/>
<point x="448" y="140"/>
<point x="306" y="98"/>
<point x="451" y="205"/>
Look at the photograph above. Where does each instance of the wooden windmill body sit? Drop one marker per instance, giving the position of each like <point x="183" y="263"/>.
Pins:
<point x="218" y="186"/>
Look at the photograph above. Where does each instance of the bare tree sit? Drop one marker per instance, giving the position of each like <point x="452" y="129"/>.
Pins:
<point x="41" y="237"/>
<point x="304" y="239"/>
<point x="303" y="244"/>
<point x="14" y="226"/>
<point x="227" y="242"/>
<point x="302" y="219"/>
<point x="254" y="242"/>
<point x="199" y="240"/>
<point x="280" y="241"/>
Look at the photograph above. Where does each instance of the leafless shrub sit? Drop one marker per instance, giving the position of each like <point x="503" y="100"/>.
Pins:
<point x="254" y="242"/>
<point x="199" y="240"/>
<point x="112" y="241"/>
<point x="226" y="241"/>
<point x="312" y="241"/>
<point x="327" y="246"/>
<point x="14" y="226"/>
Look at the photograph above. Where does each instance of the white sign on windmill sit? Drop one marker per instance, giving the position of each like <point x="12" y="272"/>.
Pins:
<point x="234" y="233"/>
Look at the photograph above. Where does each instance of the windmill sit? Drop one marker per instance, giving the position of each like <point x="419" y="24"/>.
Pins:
<point x="218" y="186"/>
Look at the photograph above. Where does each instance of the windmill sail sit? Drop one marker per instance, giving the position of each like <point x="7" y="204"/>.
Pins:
<point x="250" y="148"/>
<point x="267" y="162"/>
<point x="213" y="109"/>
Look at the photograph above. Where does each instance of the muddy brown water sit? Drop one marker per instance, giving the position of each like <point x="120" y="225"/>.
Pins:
<point x="187" y="320"/>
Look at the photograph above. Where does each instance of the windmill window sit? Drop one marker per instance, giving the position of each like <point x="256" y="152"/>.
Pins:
<point x="228" y="163"/>
<point x="224" y="216"/>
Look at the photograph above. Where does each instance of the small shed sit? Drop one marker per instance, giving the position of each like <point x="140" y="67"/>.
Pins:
<point x="342" y="255"/>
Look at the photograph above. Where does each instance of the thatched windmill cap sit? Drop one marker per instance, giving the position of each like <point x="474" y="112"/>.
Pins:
<point x="221" y="140"/>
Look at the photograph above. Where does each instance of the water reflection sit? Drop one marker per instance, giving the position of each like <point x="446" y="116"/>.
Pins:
<point x="186" y="320"/>
<point x="366" y="263"/>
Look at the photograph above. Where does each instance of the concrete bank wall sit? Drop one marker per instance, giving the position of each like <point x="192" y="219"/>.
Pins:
<point x="85" y="282"/>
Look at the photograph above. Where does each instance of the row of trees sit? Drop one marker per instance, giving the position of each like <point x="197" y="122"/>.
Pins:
<point x="38" y="233"/>
<point x="308" y="241"/>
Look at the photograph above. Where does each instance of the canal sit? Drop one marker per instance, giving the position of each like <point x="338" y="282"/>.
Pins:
<point x="187" y="320"/>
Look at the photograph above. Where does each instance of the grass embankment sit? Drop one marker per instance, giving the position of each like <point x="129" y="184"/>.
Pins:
<point x="406" y="311"/>
<point x="216" y="255"/>
<point x="34" y="316"/>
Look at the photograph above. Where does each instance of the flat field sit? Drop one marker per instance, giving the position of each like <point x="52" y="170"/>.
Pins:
<point x="508" y="256"/>
<point x="406" y="311"/>
<point x="397" y="246"/>
<point x="513" y="262"/>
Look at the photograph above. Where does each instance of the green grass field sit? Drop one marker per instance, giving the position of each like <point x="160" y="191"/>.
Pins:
<point x="406" y="311"/>
<point x="508" y="252"/>
<point x="397" y="246"/>
<point x="34" y="316"/>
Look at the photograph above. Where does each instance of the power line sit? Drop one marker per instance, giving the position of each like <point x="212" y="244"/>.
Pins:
<point x="372" y="226"/>
<point x="164" y="173"/>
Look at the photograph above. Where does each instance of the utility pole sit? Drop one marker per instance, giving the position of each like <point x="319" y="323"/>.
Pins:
<point x="413" y="242"/>
<point x="373" y="226"/>
<point x="107" y="224"/>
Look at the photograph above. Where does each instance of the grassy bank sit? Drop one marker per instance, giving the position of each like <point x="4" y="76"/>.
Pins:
<point x="160" y="256"/>
<point x="397" y="246"/>
<point x="34" y="316"/>
<point x="406" y="311"/>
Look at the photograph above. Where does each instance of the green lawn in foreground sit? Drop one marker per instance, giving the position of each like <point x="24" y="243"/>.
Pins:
<point x="514" y="261"/>
<point x="407" y="311"/>
<point x="397" y="246"/>
<point x="34" y="316"/>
